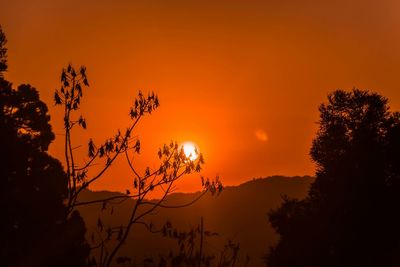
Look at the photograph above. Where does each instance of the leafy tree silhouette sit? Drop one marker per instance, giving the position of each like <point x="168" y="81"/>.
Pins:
<point x="34" y="229"/>
<point x="351" y="215"/>
<point x="174" y="164"/>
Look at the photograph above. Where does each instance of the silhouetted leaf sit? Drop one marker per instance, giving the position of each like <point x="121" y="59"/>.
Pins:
<point x="91" y="148"/>
<point x="57" y="98"/>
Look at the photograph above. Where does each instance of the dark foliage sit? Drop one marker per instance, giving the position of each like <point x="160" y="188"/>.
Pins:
<point x="34" y="229"/>
<point x="190" y="249"/>
<point x="3" y="53"/>
<point x="351" y="216"/>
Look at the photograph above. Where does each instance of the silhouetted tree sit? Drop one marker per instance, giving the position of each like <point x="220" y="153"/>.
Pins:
<point x="174" y="164"/>
<point x="35" y="229"/>
<point x="351" y="215"/>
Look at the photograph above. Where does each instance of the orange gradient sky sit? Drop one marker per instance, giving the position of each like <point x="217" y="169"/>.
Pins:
<point x="241" y="79"/>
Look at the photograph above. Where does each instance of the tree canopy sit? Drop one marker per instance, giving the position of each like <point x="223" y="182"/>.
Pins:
<point x="35" y="229"/>
<point x="3" y="52"/>
<point x="352" y="212"/>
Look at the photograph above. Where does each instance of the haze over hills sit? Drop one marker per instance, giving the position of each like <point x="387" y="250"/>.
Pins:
<point x="238" y="214"/>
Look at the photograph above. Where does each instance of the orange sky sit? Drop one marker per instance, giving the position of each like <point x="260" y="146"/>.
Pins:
<point x="242" y="79"/>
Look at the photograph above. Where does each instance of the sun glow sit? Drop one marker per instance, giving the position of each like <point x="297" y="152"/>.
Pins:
<point x="190" y="149"/>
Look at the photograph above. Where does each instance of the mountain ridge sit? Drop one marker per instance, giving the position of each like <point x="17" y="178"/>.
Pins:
<point x="238" y="214"/>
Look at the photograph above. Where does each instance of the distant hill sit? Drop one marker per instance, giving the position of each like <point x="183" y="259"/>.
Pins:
<point x="239" y="214"/>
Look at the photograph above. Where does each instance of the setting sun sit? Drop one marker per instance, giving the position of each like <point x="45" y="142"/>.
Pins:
<point x="190" y="149"/>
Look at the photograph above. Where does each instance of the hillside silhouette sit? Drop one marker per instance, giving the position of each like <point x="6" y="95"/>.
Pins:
<point x="238" y="214"/>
